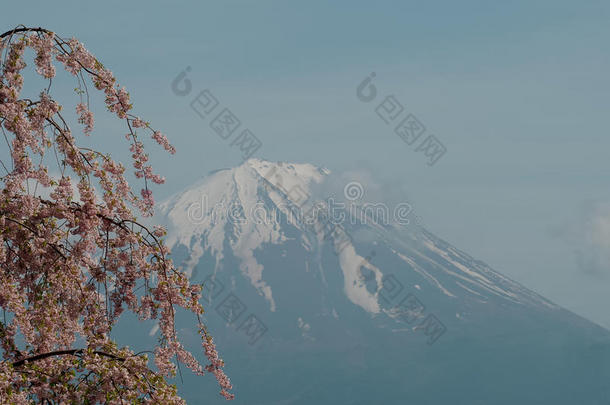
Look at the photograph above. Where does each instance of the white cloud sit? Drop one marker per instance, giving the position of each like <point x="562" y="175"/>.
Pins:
<point x="589" y="238"/>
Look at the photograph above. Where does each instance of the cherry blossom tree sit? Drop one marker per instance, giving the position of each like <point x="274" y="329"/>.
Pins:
<point x="74" y="251"/>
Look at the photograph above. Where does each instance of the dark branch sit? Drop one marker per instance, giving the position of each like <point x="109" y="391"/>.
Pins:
<point x="72" y="352"/>
<point x="24" y="29"/>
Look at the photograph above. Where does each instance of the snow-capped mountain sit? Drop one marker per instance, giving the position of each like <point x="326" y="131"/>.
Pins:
<point x="247" y="205"/>
<point x="320" y="298"/>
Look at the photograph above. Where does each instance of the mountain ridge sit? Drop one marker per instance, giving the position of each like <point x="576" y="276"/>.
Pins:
<point x="290" y="284"/>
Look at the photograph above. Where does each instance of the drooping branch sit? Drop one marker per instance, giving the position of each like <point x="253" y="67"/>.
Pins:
<point x="96" y="233"/>
<point x="24" y="29"/>
<point x="72" y="352"/>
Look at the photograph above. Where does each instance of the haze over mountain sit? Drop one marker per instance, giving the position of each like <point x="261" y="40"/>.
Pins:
<point x="320" y="298"/>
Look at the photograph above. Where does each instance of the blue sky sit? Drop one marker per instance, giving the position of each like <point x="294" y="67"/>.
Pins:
<point x="517" y="91"/>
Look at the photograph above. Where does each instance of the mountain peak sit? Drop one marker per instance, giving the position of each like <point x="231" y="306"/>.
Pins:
<point x="285" y="175"/>
<point x="246" y="212"/>
<point x="241" y="207"/>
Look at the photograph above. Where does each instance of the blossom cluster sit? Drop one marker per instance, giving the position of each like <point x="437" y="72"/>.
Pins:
<point x="73" y="259"/>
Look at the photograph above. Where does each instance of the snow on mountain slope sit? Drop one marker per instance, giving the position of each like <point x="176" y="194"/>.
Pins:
<point x="235" y="204"/>
<point x="242" y="211"/>
<point x="350" y="311"/>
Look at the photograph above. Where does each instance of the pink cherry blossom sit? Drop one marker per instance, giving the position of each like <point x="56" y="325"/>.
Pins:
<point x="74" y="255"/>
<point x="85" y="117"/>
